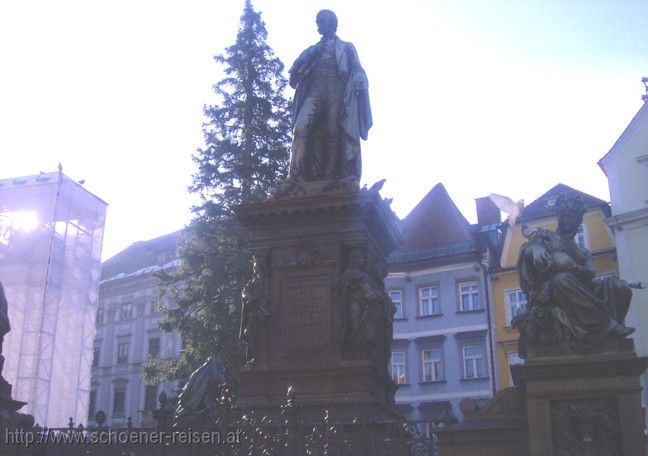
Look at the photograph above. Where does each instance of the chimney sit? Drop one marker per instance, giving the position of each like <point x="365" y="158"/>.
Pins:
<point x="487" y="212"/>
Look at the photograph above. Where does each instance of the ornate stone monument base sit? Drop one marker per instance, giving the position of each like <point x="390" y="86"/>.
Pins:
<point x="584" y="403"/>
<point x="311" y="337"/>
<point x="566" y="403"/>
<point x="499" y="428"/>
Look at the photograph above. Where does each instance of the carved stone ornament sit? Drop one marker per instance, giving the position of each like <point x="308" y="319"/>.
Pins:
<point x="305" y="255"/>
<point x="586" y="426"/>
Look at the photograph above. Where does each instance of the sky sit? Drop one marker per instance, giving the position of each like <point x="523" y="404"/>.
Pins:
<point x="510" y="97"/>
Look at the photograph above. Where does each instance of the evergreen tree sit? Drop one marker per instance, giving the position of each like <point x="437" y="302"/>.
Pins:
<point x="246" y="151"/>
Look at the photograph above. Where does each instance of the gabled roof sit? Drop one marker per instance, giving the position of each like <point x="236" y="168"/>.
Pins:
<point x="545" y="205"/>
<point x="435" y="222"/>
<point x="638" y="122"/>
<point x="141" y="257"/>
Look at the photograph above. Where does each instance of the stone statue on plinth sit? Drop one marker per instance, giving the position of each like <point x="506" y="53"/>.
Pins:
<point x="316" y="315"/>
<point x="368" y="313"/>
<point x="331" y="110"/>
<point x="200" y="395"/>
<point x="254" y="313"/>
<point x="565" y="302"/>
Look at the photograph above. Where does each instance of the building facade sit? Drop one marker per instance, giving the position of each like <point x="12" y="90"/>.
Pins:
<point x="508" y="298"/>
<point x="51" y="234"/>
<point x="442" y="350"/>
<point x="128" y="333"/>
<point x="626" y="167"/>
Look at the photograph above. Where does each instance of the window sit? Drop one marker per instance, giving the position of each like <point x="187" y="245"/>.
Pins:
<point x="516" y="302"/>
<point x="397" y="365"/>
<point x="92" y="404"/>
<point x="514" y="358"/>
<point x="119" y="400"/>
<point x="156" y="305"/>
<point x="469" y="298"/>
<point x="154" y="346"/>
<point x="581" y="237"/>
<point x="150" y="397"/>
<point x="126" y="311"/>
<point x="432" y="360"/>
<point x="428" y="298"/>
<point x="473" y="359"/>
<point x="397" y="298"/>
<point x="122" y="352"/>
<point x="95" y="356"/>
<point x="99" y="318"/>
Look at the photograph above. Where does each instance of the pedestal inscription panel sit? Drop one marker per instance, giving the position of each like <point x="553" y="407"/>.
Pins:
<point x="306" y="308"/>
<point x="586" y="426"/>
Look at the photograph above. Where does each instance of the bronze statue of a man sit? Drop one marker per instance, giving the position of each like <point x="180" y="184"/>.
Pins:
<point x="331" y="110"/>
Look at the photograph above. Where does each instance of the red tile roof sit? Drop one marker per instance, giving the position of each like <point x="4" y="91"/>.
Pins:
<point x="435" y="222"/>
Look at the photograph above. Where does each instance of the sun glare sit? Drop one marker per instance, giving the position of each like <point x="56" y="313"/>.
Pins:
<point x="24" y="220"/>
<point x="11" y="222"/>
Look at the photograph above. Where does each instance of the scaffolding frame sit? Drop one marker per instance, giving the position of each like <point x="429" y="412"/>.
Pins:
<point x="50" y="268"/>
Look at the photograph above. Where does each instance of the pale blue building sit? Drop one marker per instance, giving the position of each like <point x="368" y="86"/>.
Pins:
<point x="442" y="350"/>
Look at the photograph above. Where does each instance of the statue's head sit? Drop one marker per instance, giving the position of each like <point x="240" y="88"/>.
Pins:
<point x="326" y="21"/>
<point x="570" y="211"/>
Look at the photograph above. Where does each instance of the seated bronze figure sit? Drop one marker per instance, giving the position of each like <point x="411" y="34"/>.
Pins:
<point x="566" y="303"/>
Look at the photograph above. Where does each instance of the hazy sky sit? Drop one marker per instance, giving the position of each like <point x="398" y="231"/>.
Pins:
<point x="484" y="96"/>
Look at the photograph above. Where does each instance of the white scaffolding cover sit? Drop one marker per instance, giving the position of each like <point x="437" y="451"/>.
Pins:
<point x="51" y="232"/>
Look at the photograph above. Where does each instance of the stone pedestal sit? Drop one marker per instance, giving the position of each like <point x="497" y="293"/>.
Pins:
<point x="566" y="403"/>
<point x="499" y="428"/>
<point x="306" y="241"/>
<point x="583" y="403"/>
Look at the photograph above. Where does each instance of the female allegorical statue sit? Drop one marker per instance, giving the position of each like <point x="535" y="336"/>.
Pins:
<point x="566" y="302"/>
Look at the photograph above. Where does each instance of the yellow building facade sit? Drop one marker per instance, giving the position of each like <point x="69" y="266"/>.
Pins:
<point x="508" y="298"/>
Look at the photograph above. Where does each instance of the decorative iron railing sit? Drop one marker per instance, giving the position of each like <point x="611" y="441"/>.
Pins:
<point x="229" y="431"/>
